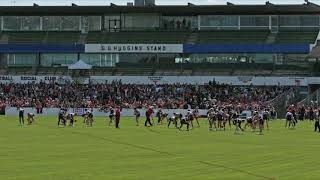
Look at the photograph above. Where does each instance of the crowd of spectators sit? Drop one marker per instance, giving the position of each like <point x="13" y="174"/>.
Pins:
<point x="168" y="96"/>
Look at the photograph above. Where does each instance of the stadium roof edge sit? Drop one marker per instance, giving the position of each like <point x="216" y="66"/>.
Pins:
<point x="263" y="9"/>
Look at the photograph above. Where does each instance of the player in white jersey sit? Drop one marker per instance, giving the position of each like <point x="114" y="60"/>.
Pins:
<point x="70" y="117"/>
<point x="195" y="114"/>
<point x="30" y="118"/>
<point x="136" y="113"/>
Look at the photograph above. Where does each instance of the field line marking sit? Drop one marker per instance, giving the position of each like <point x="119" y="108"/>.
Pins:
<point x="123" y="143"/>
<point x="235" y="169"/>
<point x="153" y="131"/>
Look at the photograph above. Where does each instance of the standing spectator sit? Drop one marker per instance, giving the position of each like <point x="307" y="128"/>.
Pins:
<point x="21" y="115"/>
<point x="118" y="113"/>
<point x="178" y="24"/>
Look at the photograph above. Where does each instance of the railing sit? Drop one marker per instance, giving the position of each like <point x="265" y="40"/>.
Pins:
<point x="312" y="100"/>
<point x="282" y="101"/>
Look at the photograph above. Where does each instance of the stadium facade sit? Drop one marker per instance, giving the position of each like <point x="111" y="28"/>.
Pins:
<point x="161" y="40"/>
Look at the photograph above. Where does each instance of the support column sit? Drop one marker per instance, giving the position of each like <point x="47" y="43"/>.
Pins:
<point x="2" y="23"/>
<point x="102" y="19"/>
<point x="270" y="23"/>
<point x="41" y="28"/>
<point x="199" y="23"/>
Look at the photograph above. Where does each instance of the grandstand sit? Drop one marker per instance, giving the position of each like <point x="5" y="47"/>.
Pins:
<point x="235" y="68"/>
<point x="260" y="40"/>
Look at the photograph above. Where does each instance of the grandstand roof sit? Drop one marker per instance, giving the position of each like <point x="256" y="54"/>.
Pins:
<point x="267" y="9"/>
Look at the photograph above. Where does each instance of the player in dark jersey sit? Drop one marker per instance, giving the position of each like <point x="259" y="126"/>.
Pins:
<point x="149" y="113"/>
<point x="266" y="117"/>
<point x="111" y="116"/>
<point x="317" y="123"/>
<point x="190" y="118"/>
<point x="220" y="119"/>
<point x="261" y="124"/>
<point x="159" y="115"/>
<point x="89" y="118"/>
<point x="21" y="115"/>
<point x="117" y="117"/>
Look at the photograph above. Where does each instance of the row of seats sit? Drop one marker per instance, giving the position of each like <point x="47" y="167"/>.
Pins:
<point x="43" y="37"/>
<point x="138" y="37"/>
<point x="296" y="37"/>
<point x="200" y="37"/>
<point x="227" y="37"/>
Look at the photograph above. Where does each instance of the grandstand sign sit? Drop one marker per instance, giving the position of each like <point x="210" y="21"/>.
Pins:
<point x="134" y="48"/>
<point x="155" y="79"/>
<point x="245" y="79"/>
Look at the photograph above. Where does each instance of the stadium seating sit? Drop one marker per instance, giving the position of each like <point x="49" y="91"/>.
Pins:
<point x="21" y="70"/>
<point x="62" y="37"/>
<point x="147" y="37"/>
<point x="231" y="37"/>
<point x="201" y="37"/>
<point x="102" y="71"/>
<point x="296" y="37"/>
<point x="95" y="37"/>
<point x="56" y="71"/>
<point x="26" y="37"/>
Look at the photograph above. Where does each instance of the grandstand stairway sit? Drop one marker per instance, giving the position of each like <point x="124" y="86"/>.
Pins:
<point x="83" y="38"/>
<point x="315" y="53"/>
<point x="271" y="39"/>
<point x="4" y="38"/>
<point x="193" y="38"/>
<point x="312" y="99"/>
<point x="281" y="102"/>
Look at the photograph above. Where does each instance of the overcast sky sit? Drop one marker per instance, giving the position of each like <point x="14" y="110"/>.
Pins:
<point x="159" y="2"/>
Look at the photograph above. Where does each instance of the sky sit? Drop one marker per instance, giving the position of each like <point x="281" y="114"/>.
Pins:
<point x="158" y="2"/>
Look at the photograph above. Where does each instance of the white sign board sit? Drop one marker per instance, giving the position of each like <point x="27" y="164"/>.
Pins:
<point x="200" y="80"/>
<point x="134" y="48"/>
<point x="13" y="111"/>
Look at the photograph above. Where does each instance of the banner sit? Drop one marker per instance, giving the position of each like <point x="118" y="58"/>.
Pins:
<point x="35" y="79"/>
<point x="134" y="48"/>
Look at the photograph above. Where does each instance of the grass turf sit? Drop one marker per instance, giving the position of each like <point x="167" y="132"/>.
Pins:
<point x="45" y="152"/>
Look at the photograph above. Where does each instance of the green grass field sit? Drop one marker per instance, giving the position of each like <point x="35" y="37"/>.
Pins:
<point x="45" y="152"/>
